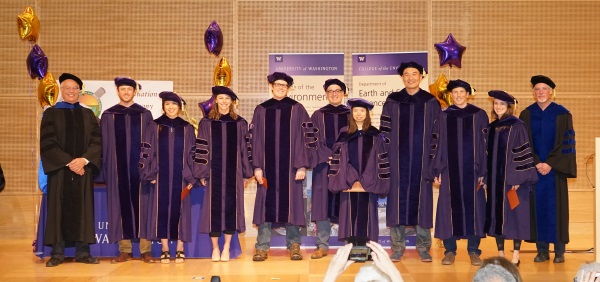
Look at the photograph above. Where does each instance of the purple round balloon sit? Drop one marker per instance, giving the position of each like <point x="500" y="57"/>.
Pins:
<point x="37" y="63"/>
<point x="213" y="38"/>
<point x="450" y="52"/>
<point x="207" y="105"/>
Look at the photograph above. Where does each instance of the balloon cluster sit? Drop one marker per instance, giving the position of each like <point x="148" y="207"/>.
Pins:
<point x="213" y="40"/>
<point x="28" y="26"/>
<point x="450" y="53"/>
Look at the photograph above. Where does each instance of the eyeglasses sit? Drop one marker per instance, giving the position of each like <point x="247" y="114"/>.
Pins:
<point x="70" y="88"/>
<point x="280" y="85"/>
<point x="337" y="91"/>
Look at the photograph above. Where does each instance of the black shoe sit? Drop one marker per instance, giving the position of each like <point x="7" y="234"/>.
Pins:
<point x="559" y="258"/>
<point x="541" y="257"/>
<point x="52" y="262"/>
<point x="88" y="260"/>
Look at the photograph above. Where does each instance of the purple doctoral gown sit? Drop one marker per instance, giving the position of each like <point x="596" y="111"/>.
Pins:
<point x="509" y="162"/>
<point x="459" y="155"/>
<point x="360" y="156"/>
<point x="407" y="122"/>
<point x="167" y="157"/>
<point x="328" y="122"/>
<point x="122" y="131"/>
<point x="222" y="159"/>
<point x="70" y="131"/>
<point x="281" y="137"/>
<point x="553" y="138"/>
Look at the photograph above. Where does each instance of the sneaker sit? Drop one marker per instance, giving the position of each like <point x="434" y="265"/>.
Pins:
<point x="475" y="260"/>
<point x="559" y="258"/>
<point x="448" y="259"/>
<point x="425" y="256"/>
<point x="260" y="255"/>
<point x="396" y="256"/>
<point x="542" y="257"/>
<point x="319" y="253"/>
<point x="295" y="252"/>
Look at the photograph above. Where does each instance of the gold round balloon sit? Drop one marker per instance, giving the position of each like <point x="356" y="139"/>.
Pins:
<point x="222" y="74"/>
<point x="47" y="91"/>
<point x="438" y="89"/>
<point x="28" y="25"/>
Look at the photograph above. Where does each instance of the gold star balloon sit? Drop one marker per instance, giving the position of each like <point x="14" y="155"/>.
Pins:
<point x="438" y="89"/>
<point x="222" y="74"/>
<point x="28" y="25"/>
<point x="47" y="91"/>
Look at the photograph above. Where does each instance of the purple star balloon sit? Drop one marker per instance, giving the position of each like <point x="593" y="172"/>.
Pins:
<point x="37" y="63"/>
<point x="206" y="105"/>
<point x="213" y="38"/>
<point x="450" y="52"/>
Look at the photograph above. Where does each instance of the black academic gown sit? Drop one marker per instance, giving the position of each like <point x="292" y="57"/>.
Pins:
<point x="69" y="131"/>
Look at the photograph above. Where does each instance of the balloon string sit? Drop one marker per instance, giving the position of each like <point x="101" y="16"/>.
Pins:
<point x="34" y="195"/>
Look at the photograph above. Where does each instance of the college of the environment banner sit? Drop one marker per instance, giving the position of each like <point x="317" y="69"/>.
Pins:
<point x="309" y="72"/>
<point x="375" y="76"/>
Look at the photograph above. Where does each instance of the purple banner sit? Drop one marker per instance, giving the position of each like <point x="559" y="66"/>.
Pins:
<point x="307" y="64"/>
<point x="199" y="247"/>
<point x="384" y="63"/>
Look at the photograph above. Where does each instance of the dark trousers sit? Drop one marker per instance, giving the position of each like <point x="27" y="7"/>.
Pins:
<point x="82" y="249"/>
<point x="500" y="244"/>
<point x="544" y="247"/>
<point x="472" y="245"/>
<point x="218" y="234"/>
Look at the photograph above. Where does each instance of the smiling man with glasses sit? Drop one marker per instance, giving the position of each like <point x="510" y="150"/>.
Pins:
<point x="70" y="148"/>
<point x="281" y="137"/>
<point x="328" y="122"/>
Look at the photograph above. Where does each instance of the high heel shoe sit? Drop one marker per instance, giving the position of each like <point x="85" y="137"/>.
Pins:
<point x="225" y="254"/>
<point x="216" y="256"/>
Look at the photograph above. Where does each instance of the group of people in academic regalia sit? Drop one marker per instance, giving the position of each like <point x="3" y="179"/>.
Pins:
<point x="505" y="179"/>
<point x="491" y="176"/>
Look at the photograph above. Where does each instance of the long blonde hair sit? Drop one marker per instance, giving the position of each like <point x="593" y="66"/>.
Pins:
<point x="216" y="115"/>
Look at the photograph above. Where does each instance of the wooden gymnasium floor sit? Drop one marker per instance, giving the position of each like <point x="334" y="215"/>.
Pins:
<point x="17" y="263"/>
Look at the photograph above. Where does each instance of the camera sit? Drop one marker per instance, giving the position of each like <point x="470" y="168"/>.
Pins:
<point x="360" y="252"/>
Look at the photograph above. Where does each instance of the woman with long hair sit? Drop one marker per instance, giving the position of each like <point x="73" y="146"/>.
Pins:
<point x="511" y="173"/>
<point x="359" y="168"/>
<point x="166" y="164"/>
<point x="221" y="164"/>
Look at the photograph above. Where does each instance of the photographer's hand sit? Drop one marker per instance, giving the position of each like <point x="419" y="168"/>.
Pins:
<point x="382" y="260"/>
<point x="338" y="264"/>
